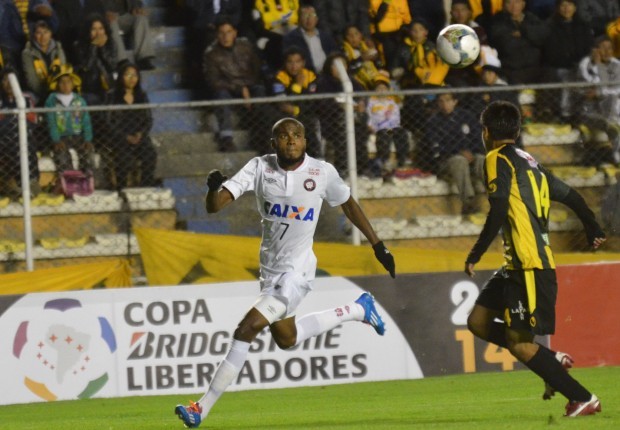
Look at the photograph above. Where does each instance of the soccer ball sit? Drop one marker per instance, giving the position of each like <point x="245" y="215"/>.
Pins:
<point x="458" y="45"/>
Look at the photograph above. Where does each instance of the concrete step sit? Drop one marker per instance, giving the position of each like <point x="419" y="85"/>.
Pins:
<point x="169" y="96"/>
<point x="201" y="164"/>
<point x="162" y="79"/>
<point x="168" y="37"/>
<point x="173" y="58"/>
<point x="169" y="143"/>
<point x="185" y="187"/>
<point x="179" y="120"/>
<point x="555" y="155"/>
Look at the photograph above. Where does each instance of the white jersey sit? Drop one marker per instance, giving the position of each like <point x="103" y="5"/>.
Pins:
<point x="289" y="203"/>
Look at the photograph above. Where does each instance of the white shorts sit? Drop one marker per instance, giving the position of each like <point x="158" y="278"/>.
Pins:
<point x="281" y="295"/>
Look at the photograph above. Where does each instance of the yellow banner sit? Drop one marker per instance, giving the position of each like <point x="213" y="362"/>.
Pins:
<point x="111" y="274"/>
<point x="179" y="257"/>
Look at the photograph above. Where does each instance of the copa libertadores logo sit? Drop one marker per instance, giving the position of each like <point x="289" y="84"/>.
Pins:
<point x="64" y="352"/>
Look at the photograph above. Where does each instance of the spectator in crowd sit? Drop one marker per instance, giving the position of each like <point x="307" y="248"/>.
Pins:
<point x="16" y="20"/>
<point x="418" y="62"/>
<point x="71" y="17"/>
<point x="613" y="32"/>
<point x="293" y="80"/>
<point x="452" y="141"/>
<point x="339" y="15"/>
<point x="484" y="10"/>
<point x="10" y="174"/>
<point x="384" y="123"/>
<point x="598" y="13"/>
<point x="432" y="12"/>
<point x="272" y="20"/>
<point x="315" y="45"/>
<point x="417" y="66"/>
<point x="39" y="56"/>
<point x="491" y="76"/>
<point x="130" y="140"/>
<point x="518" y="36"/>
<point x="461" y="13"/>
<point x="129" y="17"/>
<point x="332" y="116"/>
<point x="569" y="40"/>
<point x="364" y="61"/>
<point x="69" y="129"/>
<point x="232" y="69"/>
<point x="97" y="58"/>
<point x="201" y="18"/>
<point x="542" y="8"/>
<point x="388" y="17"/>
<point x="600" y="106"/>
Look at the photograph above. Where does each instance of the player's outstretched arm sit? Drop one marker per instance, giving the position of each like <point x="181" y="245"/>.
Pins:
<point x="217" y="197"/>
<point x="594" y="232"/>
<point x="354" y="213"/>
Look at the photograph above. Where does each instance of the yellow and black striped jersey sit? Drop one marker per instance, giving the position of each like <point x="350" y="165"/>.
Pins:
<point x="514" y="174"/>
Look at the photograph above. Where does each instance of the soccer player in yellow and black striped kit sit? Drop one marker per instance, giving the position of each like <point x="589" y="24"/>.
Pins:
<point x="523" y="292"/>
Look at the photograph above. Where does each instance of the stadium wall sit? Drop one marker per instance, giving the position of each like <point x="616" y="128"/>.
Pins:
<point x="169" y="340"/>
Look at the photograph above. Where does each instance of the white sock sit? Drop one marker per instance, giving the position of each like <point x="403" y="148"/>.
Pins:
<point x="314" y="324"/>
<point x="224" y="375"/>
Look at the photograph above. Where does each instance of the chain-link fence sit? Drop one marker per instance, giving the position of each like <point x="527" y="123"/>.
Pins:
<point x="97" y="173"/>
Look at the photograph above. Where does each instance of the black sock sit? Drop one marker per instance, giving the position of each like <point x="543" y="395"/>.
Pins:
<point x="497" y="334"/>
<point x="544" y="364"/>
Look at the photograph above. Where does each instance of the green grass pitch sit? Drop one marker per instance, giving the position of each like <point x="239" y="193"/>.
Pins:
<point x="509" y="400"/>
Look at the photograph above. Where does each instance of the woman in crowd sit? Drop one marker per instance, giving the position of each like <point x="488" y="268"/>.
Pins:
<point x="96" y="60"/>
<point x="130" y="128"/>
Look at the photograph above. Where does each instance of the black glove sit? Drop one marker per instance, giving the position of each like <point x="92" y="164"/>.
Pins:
<point x="594" y="231"/>
<point x="215" y="180"/>
<point x="385" y="257"/>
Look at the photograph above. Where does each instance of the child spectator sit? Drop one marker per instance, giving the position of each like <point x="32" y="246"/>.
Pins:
<point x="69" y="129"/>
<point x="130" y="129"/>
<point x="331" y="113"/>
<point x="491" y="76"/>
<point x="10" y="174"/>
<point x="384" y="122"/>
<point x="418" y="65"/>
<point x="418" y="62"/>
<point x="39" y="56"/>
<point x="293" y="80"/>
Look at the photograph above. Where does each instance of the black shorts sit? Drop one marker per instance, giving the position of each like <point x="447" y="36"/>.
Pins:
<point x="526" y="298"/>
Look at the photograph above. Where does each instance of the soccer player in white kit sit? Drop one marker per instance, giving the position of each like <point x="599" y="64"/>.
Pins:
<point x="290" y="187"/>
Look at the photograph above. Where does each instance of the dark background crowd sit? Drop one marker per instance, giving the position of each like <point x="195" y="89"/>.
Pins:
<point x="73" y="53"/>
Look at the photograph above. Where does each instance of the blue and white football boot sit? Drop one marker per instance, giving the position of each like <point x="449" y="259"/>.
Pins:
<point x="190" y="415"/>
<point x="371" y="316"/>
